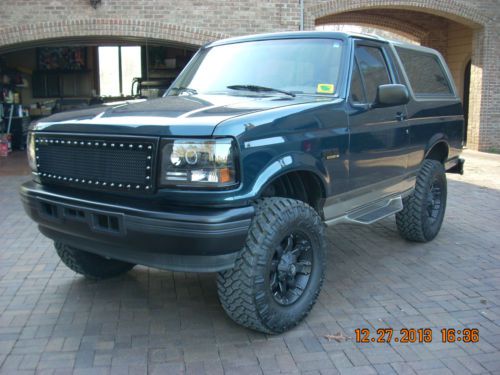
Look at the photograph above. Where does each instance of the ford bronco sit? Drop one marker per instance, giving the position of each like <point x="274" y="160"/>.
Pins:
<point x="258" y="144"/>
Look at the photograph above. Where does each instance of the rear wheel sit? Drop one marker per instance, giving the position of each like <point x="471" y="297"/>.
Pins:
<point x="91" y="265"/>
<point x="423" y="212"/>
<point x="278" y="275"/>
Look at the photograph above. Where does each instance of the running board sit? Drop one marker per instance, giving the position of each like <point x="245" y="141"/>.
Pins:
<point x="372" y="213"/>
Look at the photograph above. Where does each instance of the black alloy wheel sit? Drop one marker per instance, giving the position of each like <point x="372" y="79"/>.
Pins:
<point x="434" y="200"/>
<point x="291" y="268"/>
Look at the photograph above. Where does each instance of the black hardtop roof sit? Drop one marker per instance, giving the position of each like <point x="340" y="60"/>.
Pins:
<point x="315" y="34"/>
<point x="295" y="35"/>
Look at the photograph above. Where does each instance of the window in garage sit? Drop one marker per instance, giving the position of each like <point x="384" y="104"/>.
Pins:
<point x="118" y="67"/>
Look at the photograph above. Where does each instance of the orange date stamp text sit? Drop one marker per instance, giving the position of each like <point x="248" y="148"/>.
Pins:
<point x="416" y="335"/>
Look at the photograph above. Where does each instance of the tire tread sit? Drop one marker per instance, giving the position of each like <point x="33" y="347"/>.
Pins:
<point x="410" y="220"/>
<point x="90" y="265"/>
<point x="237" y="287"/>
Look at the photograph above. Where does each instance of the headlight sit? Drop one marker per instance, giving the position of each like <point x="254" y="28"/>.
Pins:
<point x="198" y="163"/>
<point x="31" y="150"/>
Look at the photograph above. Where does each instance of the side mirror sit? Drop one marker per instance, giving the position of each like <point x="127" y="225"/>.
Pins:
<point x="391" y="95"/>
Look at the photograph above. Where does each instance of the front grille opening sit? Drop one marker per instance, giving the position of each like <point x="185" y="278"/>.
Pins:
<point x="74" y="214"/>
<point x="113" y="223"/>
<point x="49" y="209"/>
<point x="102" y="221"/>
<point x="106" y="163"/>
<point x="106" y="223"/>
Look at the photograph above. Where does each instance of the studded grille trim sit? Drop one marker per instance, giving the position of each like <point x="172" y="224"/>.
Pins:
<point x="103" y="163"/>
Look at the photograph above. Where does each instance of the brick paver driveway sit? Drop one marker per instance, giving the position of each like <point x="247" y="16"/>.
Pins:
<point x="53" y="321"/>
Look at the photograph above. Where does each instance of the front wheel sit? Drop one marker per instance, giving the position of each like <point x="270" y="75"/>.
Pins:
<point x="278" y="274"/>
<point x="90" y="265"/>
<point x="423" y="212"/>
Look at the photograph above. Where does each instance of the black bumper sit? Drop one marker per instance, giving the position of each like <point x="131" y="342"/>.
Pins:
<point x="199" y="240"/>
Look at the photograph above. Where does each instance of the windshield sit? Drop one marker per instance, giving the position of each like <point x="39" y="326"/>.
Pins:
<point x="298" y="66"/>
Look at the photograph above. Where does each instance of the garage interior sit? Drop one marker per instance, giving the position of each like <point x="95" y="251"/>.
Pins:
<point x="37" y="80"/>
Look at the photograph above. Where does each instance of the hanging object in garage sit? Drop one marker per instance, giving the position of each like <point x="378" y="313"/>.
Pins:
<point x="95" y="3"/>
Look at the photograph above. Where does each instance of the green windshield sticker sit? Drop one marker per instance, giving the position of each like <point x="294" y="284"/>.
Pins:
<point x="325" y="88"/>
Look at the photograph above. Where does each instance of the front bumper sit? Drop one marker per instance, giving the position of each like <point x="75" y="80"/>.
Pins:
<point x="191" y="240"/>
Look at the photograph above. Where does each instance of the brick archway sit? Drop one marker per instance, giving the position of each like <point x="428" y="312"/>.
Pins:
<point x="382" y="22"/>
<point x="450" y="9"/>
<point x="95" y="27"/>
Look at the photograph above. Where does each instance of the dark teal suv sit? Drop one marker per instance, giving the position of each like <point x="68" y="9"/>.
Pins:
<point x="259" y="143"/>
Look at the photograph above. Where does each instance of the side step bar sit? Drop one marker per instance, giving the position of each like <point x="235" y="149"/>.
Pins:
<point x="457" y="168"/>
<point x="372" y="213"/>
<point x="377" y="211"/>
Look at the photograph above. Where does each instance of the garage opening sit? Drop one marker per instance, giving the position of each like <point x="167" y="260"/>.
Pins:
<point x="45" y="77"/>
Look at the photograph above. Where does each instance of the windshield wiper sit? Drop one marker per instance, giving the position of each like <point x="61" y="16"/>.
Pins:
<point x="257" y="88"/>
<point x="188" y="90"/>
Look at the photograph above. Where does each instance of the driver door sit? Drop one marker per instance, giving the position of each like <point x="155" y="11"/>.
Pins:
<point x="379" y="137"/>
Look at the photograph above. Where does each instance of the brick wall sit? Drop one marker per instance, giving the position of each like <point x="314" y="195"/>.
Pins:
<point x="192" y="21"/>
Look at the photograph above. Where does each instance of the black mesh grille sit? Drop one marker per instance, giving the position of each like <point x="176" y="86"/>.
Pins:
<point x="125" y="164"/>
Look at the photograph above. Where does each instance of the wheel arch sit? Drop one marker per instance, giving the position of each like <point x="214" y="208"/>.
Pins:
<point x="438" y="150"/>
<point x="301" y="183"/>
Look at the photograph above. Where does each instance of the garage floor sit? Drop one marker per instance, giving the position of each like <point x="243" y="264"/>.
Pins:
<point x="55" y="322"/>
<point x="14" y="165"/>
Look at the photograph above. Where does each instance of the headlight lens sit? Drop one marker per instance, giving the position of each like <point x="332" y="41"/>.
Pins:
<point x="198" y="163"/>
<point x="31" y="150"/>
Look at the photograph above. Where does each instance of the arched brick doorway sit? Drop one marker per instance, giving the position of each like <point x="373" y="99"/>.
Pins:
<point x="460" y="32"/>
<point x="20" y="47"/>
<point x="11" y="37"/>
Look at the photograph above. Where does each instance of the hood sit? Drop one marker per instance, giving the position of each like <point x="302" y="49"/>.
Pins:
<point x="193" y="115"/>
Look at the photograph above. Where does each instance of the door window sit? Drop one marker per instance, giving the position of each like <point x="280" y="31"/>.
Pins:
<point x="373" y="69"/>
<point x="357" y="90"/>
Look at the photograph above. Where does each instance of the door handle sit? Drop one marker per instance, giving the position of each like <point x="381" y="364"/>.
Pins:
<point x="400" y="116"/>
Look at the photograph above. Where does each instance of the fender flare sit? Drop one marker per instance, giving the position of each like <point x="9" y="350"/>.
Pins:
<point x="434" y="141"/>
<point x="293" y="162"/>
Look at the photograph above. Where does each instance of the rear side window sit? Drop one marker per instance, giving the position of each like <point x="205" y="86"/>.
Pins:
<point x="425" y="72"/>
<point x="373" y="69"/>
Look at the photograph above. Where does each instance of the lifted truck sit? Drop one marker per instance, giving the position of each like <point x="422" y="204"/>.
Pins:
<point x="259" y="143"/>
